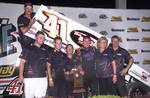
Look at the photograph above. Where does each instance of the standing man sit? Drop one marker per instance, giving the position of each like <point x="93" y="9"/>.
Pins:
<point x="121" y="57"/>
<point x="105" y="68"/>
<point x="24" y="23"/>
<point x="87" y="56"/>
<point x="32" y="68"/>
<point x="56" y="60"/>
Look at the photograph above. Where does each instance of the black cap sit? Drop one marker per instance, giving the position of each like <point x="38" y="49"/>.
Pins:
<point x="28" y="4"/>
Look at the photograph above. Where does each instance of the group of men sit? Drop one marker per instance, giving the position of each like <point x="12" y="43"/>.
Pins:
<point x="39" y="68"/>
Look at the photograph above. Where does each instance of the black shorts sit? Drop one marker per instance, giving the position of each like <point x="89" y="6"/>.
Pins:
<point x="121" y="87"/>
<point x="106" y="86"/>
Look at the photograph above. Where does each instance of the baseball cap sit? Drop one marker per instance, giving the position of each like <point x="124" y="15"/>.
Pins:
<point x="28" y="4"/>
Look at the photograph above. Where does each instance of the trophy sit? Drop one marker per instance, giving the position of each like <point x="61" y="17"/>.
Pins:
<point x="78" y="80"/>
<point x="78" y="76"/>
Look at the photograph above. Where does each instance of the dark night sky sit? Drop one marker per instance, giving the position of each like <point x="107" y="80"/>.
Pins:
<point x="131" y="4"/>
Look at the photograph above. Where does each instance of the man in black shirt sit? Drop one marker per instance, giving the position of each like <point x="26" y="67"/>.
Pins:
<point x="56" y="60"/>
<point x="121" y="57"/>
<point x="32" y="68"/>
<point x="24" y="23"/>
<point x="87" y="59"/>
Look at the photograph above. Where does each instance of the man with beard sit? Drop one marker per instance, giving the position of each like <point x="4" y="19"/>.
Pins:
<point x="24" y="22"/>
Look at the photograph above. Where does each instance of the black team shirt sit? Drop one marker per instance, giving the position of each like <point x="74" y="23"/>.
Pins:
<point x="103" y="62"/>
<point x="24" y="22"/>
<point x="56" y="59"/>
<point x="69" y="63"/>
<point x="121" y="57"/>
<point x="87" y="56"/>
<point x="36" y="59"/>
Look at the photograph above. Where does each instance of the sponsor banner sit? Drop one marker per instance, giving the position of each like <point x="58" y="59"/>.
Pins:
<point x="131" y="25"/>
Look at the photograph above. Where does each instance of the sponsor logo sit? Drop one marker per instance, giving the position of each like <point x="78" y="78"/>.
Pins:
<point x="119" y="54"/>
<point x="132" y="29"/>
<point x="146" y="39"/>
<point x="145" y="51"/>
<point x="146" y="61"/>
<point x="15" y="88"/>
<point x="129" y="39"/>
<point x="103" y="33"/>
<point x="145" y="30"/>
<point x="6" y="71"/>
<point x="77" y="37"/>
<point x="105" y="54"/>
<point x="6" y="37"/>
<point x="54" y="26"/>
<point x="103" y="16"/>
<point x="116" y="18"/>
<point x="146" y="19"/>
<point x="4" y="21"/>
<point x="145" y="75"/>
<point x="142" y="75"/>
<point x="136" y="62"/>
<point x="117" y="30"/>
<point x="133" y="51"/>
<point x="133" y="19"/>
<point x="32" y="31"/>
<point x="93" y="24"/>
<point x="82" y="15"/>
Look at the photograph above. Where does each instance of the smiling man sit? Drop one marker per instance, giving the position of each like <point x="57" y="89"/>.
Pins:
<point x="24" y="23"/>
<point x="32" y="68"/>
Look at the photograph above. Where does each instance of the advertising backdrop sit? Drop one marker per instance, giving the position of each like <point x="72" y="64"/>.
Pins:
<point x="133" y="26"/>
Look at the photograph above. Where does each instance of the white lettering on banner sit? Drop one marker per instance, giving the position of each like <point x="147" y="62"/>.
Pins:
<point x="15" y="88"/>
<point x="54" y="26"/>
<point x="80" y="38"/>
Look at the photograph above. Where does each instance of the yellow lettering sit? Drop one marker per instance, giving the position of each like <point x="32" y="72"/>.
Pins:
<point x="6" y="71"/>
